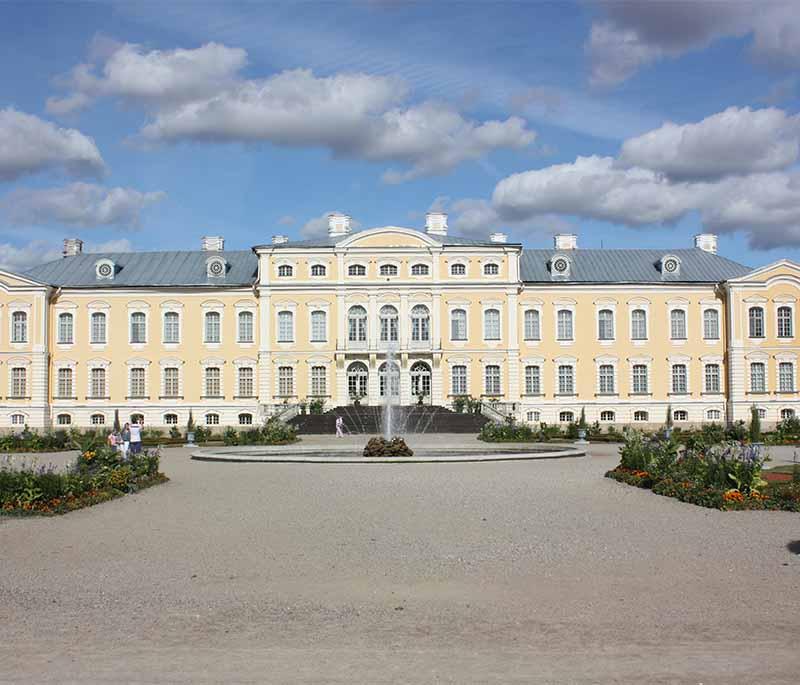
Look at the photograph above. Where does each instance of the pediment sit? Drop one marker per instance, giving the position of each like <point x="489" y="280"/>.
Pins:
<point x="388" y="237"/>
<point x="783" y="269"/>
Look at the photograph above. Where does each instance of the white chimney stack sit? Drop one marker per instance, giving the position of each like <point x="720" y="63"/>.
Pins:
<point x="565" y="241"/>
<point x="72" y="247"/>
<point x="706" y="242"/>
<point x="280" y="239"/>
<point x="498" y="237"/>
<point x="338" y="225"/>
<point x="436" y="223"/>
<point x="213" y="243"/>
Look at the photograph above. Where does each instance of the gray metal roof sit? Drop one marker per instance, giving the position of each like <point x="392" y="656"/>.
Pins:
<point x="148" y="269"/>
<point x="629" y="266"/>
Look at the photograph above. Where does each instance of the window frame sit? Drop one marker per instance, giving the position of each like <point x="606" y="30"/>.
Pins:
<point x="755" y="321"/>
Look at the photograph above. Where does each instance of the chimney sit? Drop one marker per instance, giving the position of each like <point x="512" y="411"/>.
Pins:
<point x="72" y="247"/>
<point x="280" y="239"/>
<point x="565" y="241"/>
<point x="706" y="242"/>
<point x="213" y="243"/>
<point x="498" y="237"/>
<point x="436" y="223"/>
<point x="338" y="225"/>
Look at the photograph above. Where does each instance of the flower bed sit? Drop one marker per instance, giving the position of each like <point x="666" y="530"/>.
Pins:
<point x="722" y="476"/>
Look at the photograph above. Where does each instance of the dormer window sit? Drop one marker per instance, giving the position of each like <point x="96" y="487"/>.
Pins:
<point x="670" y="266"/>
<point x="216" y="267"/>
<point x="560" y="266"/>
<point x="104" y="269"/>
<point x="388" y="270"/>
<point x="285" y="271"/>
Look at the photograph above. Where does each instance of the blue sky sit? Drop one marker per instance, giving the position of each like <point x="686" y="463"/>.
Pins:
<point x="145" y="126"/>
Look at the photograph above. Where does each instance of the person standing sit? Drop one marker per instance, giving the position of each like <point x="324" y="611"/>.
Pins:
<point x="339" y="427"/>
<point x="126" y="440"/>
<point x="136" y="437"/>
<point x="113" y="441"/>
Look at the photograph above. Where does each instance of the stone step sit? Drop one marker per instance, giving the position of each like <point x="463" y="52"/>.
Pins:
<point x="407" y="419"/>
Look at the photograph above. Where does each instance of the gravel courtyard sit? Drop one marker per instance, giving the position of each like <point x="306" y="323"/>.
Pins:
<point x="536" y="571"/>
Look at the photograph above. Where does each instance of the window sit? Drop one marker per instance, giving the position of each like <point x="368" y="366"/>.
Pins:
<point x="137" y="418"/>
<point x="65" y="383"/>
<point x="712" y="378"/>
<point x="19" y="382"/>
<point x="420" y="379"/>
<point x="98" y="383"/>
<point x="762" y="413"/>
<point x="713" y="415"/>
<point x="786" y="377"/>
<point x="388" y="270"/>
<point x="785" y="322"/>
<point x="171" y="419"/>
<point x="285" y="270"/>
<point x="357" y="324"/>
<point x="65" y="329"/>
<point x="492" y="379"/>
<point x="534" y="416"/>
<point x="680" y="415"/>
<point x="606" y="379"/>
<point x="171" y="382"/>
<point x="758" y="377"/>
<point x="389" y="324"/>
<point x="19" y="327"/>
<point x="640" y="381"/>
<point x="64" y="420"/>
<point x="245" y="327"/>
<point x="756" y="320"/>
<point x="566" y="417"/>
<point x="458" y="377"/>
<point x="319" y="381"/>
<point x="458" y="270"/>
<point x="317" y="270"/>
<point x="247" y="419"/>
<point x="389" y="379"/>
<point x="357" y="375"/>
<point x="606" y="415"/>
<point x="246" y="381"/>
<point x="138" y="327"/>
<point x="137" y="382"/>
<point x="564" y="319"/>
<point x="97" y="333"/>
<point x="787" y="414"/>
<point x="458" y="324"/>
<point x="641" y="416"/>
<point x="212" y="327"/>
<point x="356" y="270"/>
<point x="285" y="326"/>
<point x="319" y="328"/>
<point x="213" y="382"/>
<point x="17" y="419"/>
<point x="212" y="419"/>
<point x="491" y="324"/>
<point x="532" y="328"/>
<point x="97" y="419"/>
<point x="639" y="324"/>
<point x="566" y="379"/>
<point x="711" y="324"/>
<point x="533" y="380"/>
<point x="605" y="324"/>
<point x="172" y="327"/>
<point x="491" y="269"/>
<point x="420" y="270"/>
<point x="679" y="384"/>
<point x="285" y="381"/>
<point x="420" y="324"/>
<point x="677" y="324"/>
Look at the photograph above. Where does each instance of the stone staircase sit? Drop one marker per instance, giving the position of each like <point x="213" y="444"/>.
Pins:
<point x="407" y="419"/>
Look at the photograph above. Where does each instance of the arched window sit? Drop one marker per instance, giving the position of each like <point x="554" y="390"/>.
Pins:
<point x="17" y="419"/>
<point x="762" y="413"/>
<point x="680" y="415"/>
<point x="785" y="327"/>
<point x="97" y="332"/>
<point x="420" y="323"/>
<point x="458" y="270"/>
<point x="532" y="326"/>
<point x="420" y="379"/>
<point x="711" y="324"/>
<point x="212" y="328"/>
<point x="316" y="270"/>
<point x="171" y="419"/>
<point x="138" y="327"/>
<point x="97" y="419"/>
<point x="639" y="324"/>
<point x="491" y="269"/>
<point x="606" y="415"/>
<point x="19" y="382"/>
<point x="756" y="321"/>
<point x="420" y="270"/>
<point x="787" y="414"/>
<point x="713" y="415"/>
<point x="534" y="416"/>
<point x="785" y="377"/>
<point x="533" y="380"/>
<point x="677" y="324"/>
<point x="172" y="327"/>
<point x="285" y="326"/>
<point x="19" y="327"/>
<point x="319" y="381"/>
<point x="137" y="418"/>
<point x="388" y="270"/>
<point x="605" y="324"/>
<point x="389" y="324"/>
<point x="357" y="375"/>
<point x="712" y="378"/>
<point x="319" y="329"/>
<point x="245" y="327"/>
<point x="65" y="329"/>
<point x="491" y="380"/>
<point x="566" y="379"/>
<point x="212" y="419"/>
<point x="458" y="324"/>
<point x="641" y="416"/>
<point x="356" y="270"/>
<point x="566" y="417"/>
<point x="564" y="324"/>
<point x="389" y="379"/>
<point x="679" y="379"/>
<point x="172" y="384"/>
<point x="245" y="419"/>
<point x="285" y="381"/>
<point x="458" y="379"/>
<point x="640" y="380"/>
<point x="285" y="270"/>
<point x="245" y="379"/>
<point x="357" y="324"/>
<point x="491" y="324"/>
<point x="63" y="420"/>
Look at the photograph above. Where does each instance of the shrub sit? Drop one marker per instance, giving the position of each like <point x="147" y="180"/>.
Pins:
<point x="316" y="406"/>
<point x="510" y="431"/>
<point x="459" y="403"/>
<point x="755" y="425"/>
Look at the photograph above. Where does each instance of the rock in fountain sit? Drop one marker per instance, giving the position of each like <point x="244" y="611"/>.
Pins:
<point x="381" y="447"/>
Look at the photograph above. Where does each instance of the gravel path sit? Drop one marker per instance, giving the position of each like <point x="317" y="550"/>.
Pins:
<point x="539" y="571"/>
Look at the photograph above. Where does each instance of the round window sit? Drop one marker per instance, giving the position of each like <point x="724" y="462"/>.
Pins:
<point x="105" y="270"/>
<point x="216" y="268"/>
<point x="560" y="265"/>
<point x="671" y="265"/>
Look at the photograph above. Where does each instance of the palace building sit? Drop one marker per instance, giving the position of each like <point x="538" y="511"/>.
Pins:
<point x="627" y="335"/>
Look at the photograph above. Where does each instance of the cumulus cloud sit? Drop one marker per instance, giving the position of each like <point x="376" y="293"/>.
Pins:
<point x="318" y="226"/>
<point x="29" y="145"/>
<point x="78" y="204"/>
<point x="19" y="259"/>
<point x="635" y="33"/>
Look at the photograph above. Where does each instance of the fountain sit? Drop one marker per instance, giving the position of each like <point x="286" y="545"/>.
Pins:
<point x="392" y="385"/>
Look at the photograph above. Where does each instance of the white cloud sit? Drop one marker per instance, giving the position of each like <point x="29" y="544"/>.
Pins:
<point x="287" y="220"/>
<point x="80" y="204"/>
<point x="736" y="141"/>
<point x="318" y="226"/>
<point x="29" y="145"/>
<point x="19" y="259"/>
<point x="115" y="245"/>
